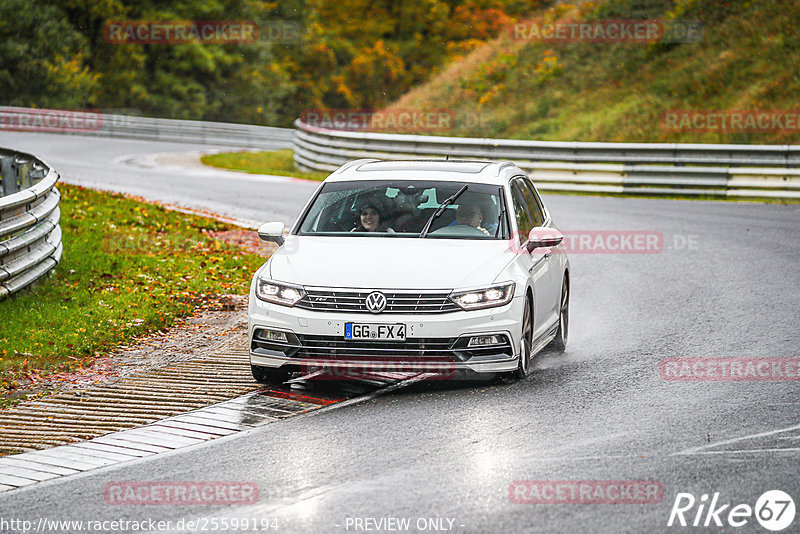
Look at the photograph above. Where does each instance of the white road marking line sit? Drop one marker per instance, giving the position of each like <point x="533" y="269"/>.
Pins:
<point x="695" y="450"/>
<point x="586" y="458"/>
<point x="745" y="451"/>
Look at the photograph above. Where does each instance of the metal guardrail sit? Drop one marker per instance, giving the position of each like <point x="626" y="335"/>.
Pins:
<point x="30" y="237"/>
<point x="748" y="171"/>
<point x="147" y="128"/>
<point x="745" y="171"/>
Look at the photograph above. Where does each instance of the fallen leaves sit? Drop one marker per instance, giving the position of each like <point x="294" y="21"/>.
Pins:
<point x="111" y="289"/>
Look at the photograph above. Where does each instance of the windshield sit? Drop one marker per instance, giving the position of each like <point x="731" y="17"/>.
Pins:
<point x="402" y="208"/>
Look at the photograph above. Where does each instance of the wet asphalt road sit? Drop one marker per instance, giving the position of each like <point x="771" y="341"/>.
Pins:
<point x="118" y="165"/>
<point x="725" y="285"/>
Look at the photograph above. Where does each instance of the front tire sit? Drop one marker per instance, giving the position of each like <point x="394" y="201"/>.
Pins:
<point x="526" y="343"/>
<point x="269" y="376"/>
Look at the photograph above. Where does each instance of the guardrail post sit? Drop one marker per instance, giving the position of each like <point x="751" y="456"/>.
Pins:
<point x="37" y="172"/>
<point x="24" y="173"/>
<point x="9" y="173"/>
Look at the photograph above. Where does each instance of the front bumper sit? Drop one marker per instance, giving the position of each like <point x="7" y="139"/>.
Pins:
<point x="435" y="343"/>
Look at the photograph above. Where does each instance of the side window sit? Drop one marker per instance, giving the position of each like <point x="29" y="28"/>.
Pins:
<point x="537" y="197"/>
<point x="524" y="225"/>
<point x="537" y="216"/>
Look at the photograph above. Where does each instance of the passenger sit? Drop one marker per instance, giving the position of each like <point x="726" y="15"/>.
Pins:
<point x="470" y="215"/>
<point x="371" y="221"/>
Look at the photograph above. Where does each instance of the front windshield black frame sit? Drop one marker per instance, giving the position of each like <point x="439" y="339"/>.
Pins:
<point x="503" y="224"/>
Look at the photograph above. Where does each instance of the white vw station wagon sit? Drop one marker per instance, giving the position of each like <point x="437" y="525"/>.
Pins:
<point x="412" y="266"/>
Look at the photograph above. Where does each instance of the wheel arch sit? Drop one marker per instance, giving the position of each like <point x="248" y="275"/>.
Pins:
<point x="531" y="301"/>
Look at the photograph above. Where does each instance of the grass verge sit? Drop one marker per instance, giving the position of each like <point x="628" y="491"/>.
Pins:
<point x="278" y="162"/>
<point x="128" y="269"/>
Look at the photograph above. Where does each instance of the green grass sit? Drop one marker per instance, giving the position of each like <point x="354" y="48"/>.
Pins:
<point x="128" y="268"/>
<point x="279" y="163"/>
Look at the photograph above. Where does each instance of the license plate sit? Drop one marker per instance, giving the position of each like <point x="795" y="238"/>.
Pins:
<point x="375" y="332"/>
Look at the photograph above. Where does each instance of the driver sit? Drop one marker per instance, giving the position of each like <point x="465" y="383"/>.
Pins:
<point x="470" y="215"/>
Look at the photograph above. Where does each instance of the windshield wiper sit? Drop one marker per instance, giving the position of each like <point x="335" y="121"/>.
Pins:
<point x="441" y="209"/>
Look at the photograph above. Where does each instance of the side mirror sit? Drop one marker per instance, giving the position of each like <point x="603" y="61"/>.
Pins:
<point x="272" y="231"/>
<point x="541" y="237"/>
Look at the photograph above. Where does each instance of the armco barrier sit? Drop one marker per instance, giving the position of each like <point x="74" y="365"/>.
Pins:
<point x="30" y="237"/>
<point x="147" y="128"/>
<point x="750" y="171"/>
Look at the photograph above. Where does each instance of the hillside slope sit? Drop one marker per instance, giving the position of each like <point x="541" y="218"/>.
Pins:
<point x="746" y="61"/>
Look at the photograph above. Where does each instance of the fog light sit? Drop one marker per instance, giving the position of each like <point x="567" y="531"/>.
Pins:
<point x="482" y="341"/>
<point x="271" y="335"/>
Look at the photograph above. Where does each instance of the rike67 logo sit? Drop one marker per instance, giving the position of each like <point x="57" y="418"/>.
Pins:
<point x="774" y="510"/>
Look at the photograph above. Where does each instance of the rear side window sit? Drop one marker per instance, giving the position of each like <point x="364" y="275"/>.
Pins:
<point x="524" y="224"/>
<point x="538" y="199"/>
<point x="534" y="209"/>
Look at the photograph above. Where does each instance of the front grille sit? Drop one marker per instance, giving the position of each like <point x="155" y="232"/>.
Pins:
<point x="335" y="347"/>
<point x="396" y="301"/>
<point x="422" y="349"/>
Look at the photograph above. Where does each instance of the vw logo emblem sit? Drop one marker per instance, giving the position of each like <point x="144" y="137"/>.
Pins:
<point x="376" y="302"/>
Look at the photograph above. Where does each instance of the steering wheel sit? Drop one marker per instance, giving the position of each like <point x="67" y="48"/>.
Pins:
<point x="459" y="230"/>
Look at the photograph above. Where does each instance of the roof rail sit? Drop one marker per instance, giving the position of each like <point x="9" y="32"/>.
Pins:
<point x="354" y="162"/>
<point x="503" y="164"/>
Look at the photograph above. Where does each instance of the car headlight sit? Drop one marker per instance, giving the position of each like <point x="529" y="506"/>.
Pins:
<point x="279" y="292"/>
<point x="489" y="297"/>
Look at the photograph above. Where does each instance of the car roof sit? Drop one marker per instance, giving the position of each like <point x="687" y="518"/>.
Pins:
<point x="487" y="172"/>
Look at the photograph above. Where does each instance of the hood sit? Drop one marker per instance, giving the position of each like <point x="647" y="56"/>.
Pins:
<point x="389" y="263"/>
